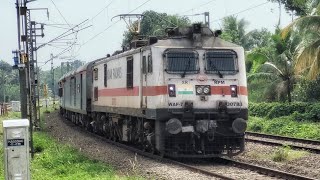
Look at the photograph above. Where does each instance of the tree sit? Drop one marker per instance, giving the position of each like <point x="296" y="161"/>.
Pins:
<point x="307" y="54"/>
<point x="9" y="81"/>
<point x="308" y="90"/>
<point x="298" y="7"/>
<point x="234" y="30"/>
<point x="277" y="65"/>
<point x="257" y="39"/>
<point x="154" y="24"/>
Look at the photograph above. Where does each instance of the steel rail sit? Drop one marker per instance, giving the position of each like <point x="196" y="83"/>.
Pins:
<point x="283" y="138"/>
<point x="299" y="140"/>
<point x="296" y="147"/>
<point x="242" y="165"/>
<point x="265" y="170"/>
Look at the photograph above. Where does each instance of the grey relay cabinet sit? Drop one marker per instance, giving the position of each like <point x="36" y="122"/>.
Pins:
<point x="16" y="148"/>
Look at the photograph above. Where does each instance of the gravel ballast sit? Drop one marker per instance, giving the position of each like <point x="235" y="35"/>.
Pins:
<point x="124" y="161"/>
<point x="128" y="163"/>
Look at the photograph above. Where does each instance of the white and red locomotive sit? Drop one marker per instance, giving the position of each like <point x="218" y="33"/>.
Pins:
<point x="182" y="96"/>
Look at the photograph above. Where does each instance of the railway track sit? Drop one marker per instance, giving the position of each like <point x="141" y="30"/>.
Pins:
<point x="149" y="155"/>
<point x="198" y="169"/>
<point x="265" y="170"/>
<point x="274" y="140"/>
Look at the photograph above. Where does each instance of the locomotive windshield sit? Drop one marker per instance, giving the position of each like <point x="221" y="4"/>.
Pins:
<point x="221" y="61"/>
<point x="184" y="62"/>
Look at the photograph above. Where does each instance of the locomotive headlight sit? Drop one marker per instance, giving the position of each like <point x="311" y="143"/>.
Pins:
<point x="172" y="90"/>
<point x="206" y="90"/>
<point x="234" y="90"/>
<point x="203" y="89"/>
<point x="199" y="90"/>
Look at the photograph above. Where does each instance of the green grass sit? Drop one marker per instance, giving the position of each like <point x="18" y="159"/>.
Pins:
<point x="279" y="154"/>
<point x="53" y="161"/>
<point x="56" y="161"/>
<point x="285" y="126"/>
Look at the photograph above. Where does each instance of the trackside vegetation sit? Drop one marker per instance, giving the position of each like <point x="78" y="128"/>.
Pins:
<point x="300" y="120"/>
<point x="53" y="161"/>
<point x="56" y="161"/>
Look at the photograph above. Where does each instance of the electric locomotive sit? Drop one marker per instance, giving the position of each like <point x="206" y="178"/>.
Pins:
<point x="184" y="95"/>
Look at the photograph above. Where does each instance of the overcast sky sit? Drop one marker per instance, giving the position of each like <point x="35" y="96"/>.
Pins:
<point x="95" y="41"/>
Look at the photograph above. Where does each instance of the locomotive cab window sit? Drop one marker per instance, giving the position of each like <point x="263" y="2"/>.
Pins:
<point x="221" y="62"/>
<point x="181" y="62"/>
<point x="95" y="74"/>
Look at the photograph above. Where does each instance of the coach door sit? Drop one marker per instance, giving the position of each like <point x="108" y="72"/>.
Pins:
<point x="144" y="68"/>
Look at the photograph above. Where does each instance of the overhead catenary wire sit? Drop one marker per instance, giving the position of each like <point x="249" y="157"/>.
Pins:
<point x="65" y="20"/>
<point x="54" y="26"/>
<point x="248" y="9"/>
<point x="198" y="7"/>
<point x="64" y="34"/>
<point x="96" y="35"/>
<point x="70" y="47"/>
<point x="60" y="53"/>
<point x="102" y="10"/>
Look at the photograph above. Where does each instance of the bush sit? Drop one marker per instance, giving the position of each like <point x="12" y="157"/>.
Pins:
<point x="314" y="113"/>
<point x="274" y="110"/>
<point x="260" y="109"/>
<point x="280" y="154"/>
<point x="285" y="126"/>
<point x="286" y="109"/>
<point x="255" y="124"/>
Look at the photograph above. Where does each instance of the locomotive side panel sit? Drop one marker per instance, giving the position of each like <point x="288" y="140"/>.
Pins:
<point x="156" y="90"/>
<point x="80" y="92"/>
<point x="67" y="97"/>
<point x="116" y="85"/>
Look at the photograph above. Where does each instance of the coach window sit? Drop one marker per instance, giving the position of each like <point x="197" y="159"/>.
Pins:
<point x="130" y="72"/>
<point x="95" y="93"/>
<point x="149" y="64"/>
<point x="144" y="65"/>
<point x="105" y="75"/>
<point x="95" y="74"/>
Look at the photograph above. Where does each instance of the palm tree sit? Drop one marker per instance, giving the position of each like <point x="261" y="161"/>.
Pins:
<point x="234" y="29"/>
<point x="277" y="65"/>
<point x="307" y="54"/>
<point x="281" y="75"/>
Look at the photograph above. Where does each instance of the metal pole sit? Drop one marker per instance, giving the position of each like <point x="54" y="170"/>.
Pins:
<point x="53" y="89"/>
<point x="22" y="72"/>
<point x="28" y="67"/>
